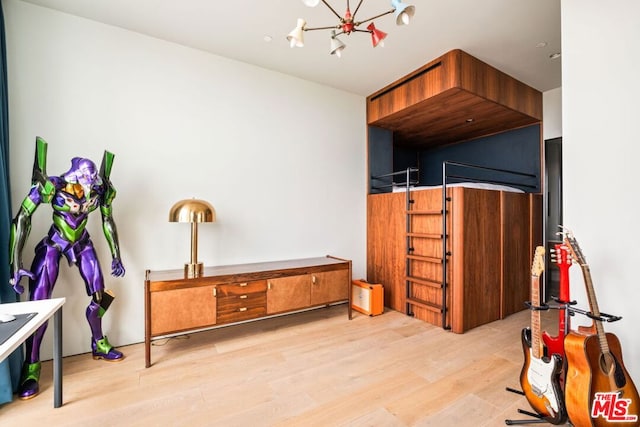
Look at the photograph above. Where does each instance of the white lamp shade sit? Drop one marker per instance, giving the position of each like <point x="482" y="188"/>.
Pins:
<point x="295" y="37"/>
<point x="403" y="12"/>
<point x="311" y="3"/>
<point x="336" y="45"/>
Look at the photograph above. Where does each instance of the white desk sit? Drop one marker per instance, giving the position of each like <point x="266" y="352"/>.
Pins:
<point x="45" y="309"/>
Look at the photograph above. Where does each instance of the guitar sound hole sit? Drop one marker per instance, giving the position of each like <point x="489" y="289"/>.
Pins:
<point x="607" y="364"/>
<point x="610" y="367"/>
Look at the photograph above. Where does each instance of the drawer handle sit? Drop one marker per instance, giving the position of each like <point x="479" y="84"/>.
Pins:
<point x="244" y="296"/>
<point x="243" y="284"/>
<point x="242" y="309"/>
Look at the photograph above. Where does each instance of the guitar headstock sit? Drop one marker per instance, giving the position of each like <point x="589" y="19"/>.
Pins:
<point x="537" y="267"/>
<point x="574" y="248"/>
<point x="561" y="255"/>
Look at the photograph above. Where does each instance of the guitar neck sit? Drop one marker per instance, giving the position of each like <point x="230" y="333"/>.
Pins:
<point x="536" y="342"/>
<point x="593" y="306"/>
<point x="564" y="299"/>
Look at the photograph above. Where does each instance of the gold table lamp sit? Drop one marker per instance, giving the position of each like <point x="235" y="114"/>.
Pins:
<point x="193" y="211"/>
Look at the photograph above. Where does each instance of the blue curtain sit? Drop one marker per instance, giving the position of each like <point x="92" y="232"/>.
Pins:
<point x="10" y="367"/>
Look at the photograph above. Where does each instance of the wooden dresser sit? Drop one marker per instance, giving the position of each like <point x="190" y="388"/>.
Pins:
<point x="230" y="294"/>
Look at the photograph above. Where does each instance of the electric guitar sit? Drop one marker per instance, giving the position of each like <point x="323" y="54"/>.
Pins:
<point x="540" y="374"/>
<point x="598" y="388"/>
<point x="555" y="345"/>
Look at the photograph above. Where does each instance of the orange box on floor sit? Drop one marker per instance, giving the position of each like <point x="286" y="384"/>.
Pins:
<point x="367" y="298"/>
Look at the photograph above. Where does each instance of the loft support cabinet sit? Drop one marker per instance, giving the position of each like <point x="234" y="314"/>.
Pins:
<point x="231" y="294"/>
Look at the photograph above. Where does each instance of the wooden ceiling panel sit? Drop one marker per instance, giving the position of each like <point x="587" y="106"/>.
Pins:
<point x="453" y="99"/>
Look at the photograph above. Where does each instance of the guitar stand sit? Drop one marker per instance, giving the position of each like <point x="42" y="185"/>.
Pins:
<point x="535" y="418"/>
<point x="603" y="317"/>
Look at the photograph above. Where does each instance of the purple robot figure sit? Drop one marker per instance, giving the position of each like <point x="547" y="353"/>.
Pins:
<point x="73" y="196"/>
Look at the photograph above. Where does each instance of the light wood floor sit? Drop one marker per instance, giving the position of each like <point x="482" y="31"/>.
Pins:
<point x="309" y="369"/>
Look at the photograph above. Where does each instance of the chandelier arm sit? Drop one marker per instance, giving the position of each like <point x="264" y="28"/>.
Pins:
<point x="322" y="28"/>
<point x="361" y="31"/>
<point x="332" y="10"/>
<point x="374" y="17"/>
<point x="357" y="7"/>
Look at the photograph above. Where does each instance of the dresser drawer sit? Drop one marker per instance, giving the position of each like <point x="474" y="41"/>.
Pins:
<point x="242" y="288"/>
<point x="235" y="308"/>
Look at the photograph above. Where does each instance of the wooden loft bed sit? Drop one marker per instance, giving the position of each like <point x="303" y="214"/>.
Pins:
<point x="453" y="256"/>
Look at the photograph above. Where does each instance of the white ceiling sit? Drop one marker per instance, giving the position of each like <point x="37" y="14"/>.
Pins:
<point x="503" y="33"/>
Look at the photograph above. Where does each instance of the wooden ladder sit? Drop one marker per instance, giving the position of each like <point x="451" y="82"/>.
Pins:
<point x="414" y="281"/>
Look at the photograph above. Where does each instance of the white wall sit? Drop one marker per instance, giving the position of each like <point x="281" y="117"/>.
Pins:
<point x="552" y="113"/>
<point x="600" y="92"/>
<point x="182" y="123"/>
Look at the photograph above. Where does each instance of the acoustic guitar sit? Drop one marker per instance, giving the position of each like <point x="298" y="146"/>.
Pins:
<point x="539" y="377"/>
<point x="598" y="389"/>
<point x="562" y="258"/>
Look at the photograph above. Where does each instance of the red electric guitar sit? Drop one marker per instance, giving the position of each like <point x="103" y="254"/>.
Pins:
<point x="562" y="257"/>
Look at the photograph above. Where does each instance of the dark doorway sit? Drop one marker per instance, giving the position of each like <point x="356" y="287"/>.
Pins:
<point x="553" y="205"/>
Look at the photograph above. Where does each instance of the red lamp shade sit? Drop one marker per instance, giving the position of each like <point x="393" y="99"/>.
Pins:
<point x="376" y="35"/>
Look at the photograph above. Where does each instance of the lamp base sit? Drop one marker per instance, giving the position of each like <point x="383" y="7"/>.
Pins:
<point x="193" y="270"/>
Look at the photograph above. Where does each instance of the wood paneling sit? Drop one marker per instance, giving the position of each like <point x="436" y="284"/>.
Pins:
<point x="489" y="236"/>
<point x="453" y="98"/>
<point x="517" y="246"/>
<point x="386" y="246"/>
<point x="476" y="258"/>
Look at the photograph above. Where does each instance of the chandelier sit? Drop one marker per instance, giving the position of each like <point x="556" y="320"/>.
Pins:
<point x="348" y="25"/>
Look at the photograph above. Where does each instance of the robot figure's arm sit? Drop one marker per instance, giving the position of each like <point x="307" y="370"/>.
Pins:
<point x="39" y="179"/>
<point x="108" y="224"/>
<point x="20" y="228"/>
<point x="111" y="233"/>
<point x="42" y="190"/>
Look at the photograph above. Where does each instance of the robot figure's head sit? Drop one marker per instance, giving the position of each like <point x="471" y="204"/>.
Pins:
<point x="83" y="171"/>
